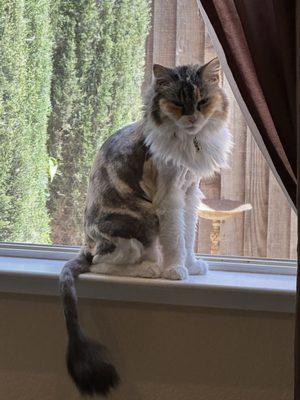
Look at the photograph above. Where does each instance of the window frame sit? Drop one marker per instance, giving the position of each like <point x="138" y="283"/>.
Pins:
<point x="216" y="263"/>
<point x="231" y="284"/>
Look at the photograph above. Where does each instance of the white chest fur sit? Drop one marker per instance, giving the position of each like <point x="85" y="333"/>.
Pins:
<point x="203" y="152"/>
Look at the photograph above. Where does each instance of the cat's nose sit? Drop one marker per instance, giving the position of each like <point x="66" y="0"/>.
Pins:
<point x="192" y="119"/>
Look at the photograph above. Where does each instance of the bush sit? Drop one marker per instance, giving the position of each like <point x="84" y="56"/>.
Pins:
<point x="90" y="53"/>
<point x="25" y="48"/>
<point x="98" y="70"/>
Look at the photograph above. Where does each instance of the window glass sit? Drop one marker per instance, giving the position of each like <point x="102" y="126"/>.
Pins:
<point x="71" y="73"/>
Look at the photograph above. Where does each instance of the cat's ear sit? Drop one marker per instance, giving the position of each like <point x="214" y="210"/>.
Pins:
<point x="163" y="75"/>
<point x="210" y="72"/>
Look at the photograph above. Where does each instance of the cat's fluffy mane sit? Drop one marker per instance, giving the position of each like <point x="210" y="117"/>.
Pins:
<point x="169" y="144"/>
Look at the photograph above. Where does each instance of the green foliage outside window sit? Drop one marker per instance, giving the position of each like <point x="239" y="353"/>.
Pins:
<point x="25" y="73"/>
<point x="70" y="75"/>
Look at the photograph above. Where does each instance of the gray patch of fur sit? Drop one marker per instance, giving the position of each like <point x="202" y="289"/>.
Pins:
<point x="125" y="153"/>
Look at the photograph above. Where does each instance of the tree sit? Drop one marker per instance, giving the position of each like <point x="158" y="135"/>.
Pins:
<point x="25" y="73"/>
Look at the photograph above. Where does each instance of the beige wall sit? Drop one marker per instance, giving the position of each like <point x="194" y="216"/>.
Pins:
<point x="163" y="353"/>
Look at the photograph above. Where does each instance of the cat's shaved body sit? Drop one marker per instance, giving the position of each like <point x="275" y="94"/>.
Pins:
<point x="141" y="208"/>
<point x="121" y="223"/>
<point x="118" y="203"/>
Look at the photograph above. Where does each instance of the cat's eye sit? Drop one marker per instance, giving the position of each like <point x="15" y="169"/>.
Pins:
<point x="201" y="103"/>
<point x="177" y="103"/>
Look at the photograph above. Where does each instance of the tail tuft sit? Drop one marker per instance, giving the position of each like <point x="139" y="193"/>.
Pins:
<point x="89" y="367"/>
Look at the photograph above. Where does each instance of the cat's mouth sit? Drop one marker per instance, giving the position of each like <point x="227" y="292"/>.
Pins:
<point x="187" y="128"/>
<point x="190" y="128"/>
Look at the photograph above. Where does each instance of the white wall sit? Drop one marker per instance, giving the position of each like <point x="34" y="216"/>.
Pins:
<point x="163" y="353"/>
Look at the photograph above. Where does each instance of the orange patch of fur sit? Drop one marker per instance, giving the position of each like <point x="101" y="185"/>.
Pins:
<point x="217" y="106"/>
<point x="170" y="108"/>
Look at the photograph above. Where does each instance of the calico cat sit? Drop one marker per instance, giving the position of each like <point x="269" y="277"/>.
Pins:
<point x="142" y="199"/>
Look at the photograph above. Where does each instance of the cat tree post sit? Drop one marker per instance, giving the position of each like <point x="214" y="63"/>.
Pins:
<point x="218" y="210"/>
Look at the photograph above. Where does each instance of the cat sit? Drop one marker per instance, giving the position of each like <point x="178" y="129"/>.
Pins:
<point x="143" y="194"/>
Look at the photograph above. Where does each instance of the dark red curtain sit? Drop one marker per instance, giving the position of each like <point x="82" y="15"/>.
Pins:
<point x="258" y="38"/>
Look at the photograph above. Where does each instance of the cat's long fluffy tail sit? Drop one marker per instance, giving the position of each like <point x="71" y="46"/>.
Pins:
<point x="87" y="360"/>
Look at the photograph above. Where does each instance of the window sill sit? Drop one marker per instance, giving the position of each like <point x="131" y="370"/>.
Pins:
<point x="274" y="292"/>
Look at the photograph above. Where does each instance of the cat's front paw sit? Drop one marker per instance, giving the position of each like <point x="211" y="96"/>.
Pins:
<point x="149" y="269"/>
<point x="176" y="273"/>
<point x="197" y="267"/>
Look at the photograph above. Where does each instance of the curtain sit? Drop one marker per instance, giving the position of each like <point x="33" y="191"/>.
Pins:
<point x="257" y="41"/>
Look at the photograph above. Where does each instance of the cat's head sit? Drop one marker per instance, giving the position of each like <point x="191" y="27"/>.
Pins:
<point x="188" y="96"/>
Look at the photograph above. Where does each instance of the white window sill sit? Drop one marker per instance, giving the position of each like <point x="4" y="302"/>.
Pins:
<point x="273" y="292"/>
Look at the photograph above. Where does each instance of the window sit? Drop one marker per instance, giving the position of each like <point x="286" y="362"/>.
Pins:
<point x="71" y="75"/>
